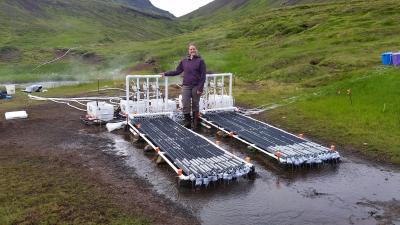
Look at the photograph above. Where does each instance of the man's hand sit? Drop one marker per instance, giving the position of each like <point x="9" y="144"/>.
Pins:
<point x="199" y="92"/>
<point x="162" y="74"/>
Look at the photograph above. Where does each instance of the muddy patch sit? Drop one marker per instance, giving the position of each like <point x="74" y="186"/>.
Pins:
<point x="54" y="132"/>
<point x="81" y="55"/>
<point x="351" y="192"/>
<point x="149" y="65"/>
<point x="313" y="193"/>
<point x="384" y="212"/>
<point x="9" y="53"/>
<point x="30" y="6"/>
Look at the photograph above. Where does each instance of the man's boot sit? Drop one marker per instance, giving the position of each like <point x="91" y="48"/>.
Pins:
<point x="196" y="120"/>
<point x="188" y="121"/>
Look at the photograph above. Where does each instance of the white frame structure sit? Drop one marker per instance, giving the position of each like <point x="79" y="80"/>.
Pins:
<point x="135" y="130"/>
<point x="218" y="90"/>
<point x="147" y="81"/>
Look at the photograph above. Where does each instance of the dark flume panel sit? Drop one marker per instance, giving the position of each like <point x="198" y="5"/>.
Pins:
<point x="286" y="147"/>
<point x="200" y="160"/>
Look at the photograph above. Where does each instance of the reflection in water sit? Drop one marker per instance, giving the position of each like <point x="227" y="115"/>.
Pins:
<point x="330" y="194"/>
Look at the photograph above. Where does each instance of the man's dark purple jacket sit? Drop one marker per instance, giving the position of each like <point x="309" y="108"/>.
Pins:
<point x="194" y="72"/>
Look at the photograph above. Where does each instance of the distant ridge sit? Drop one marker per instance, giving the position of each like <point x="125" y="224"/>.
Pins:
<point x="220" y="8"/>
<point x="144" y="6"/>
<point x="215" y="6"/>
<point x="28" y="22"/>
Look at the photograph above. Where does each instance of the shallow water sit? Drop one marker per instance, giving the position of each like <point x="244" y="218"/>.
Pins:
<point x="48" y="84"/>
<point x="351" y="192"/>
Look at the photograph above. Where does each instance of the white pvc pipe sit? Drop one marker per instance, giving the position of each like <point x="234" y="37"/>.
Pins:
<point x="160" y="153"/>
<point x="215" y="78"/>
<point x="219" y="74"/>
<point x="146" y="93"/>
<point x="228" y="153"/>
<point x="143" y="76"/>
<point x="166" y="93"/>
<point x="219" y="109"/>
<point x="230" y="84"/>
<point x="240" y="139"/>
<point x="127" y="94"/>
<point x="169" y="114"/>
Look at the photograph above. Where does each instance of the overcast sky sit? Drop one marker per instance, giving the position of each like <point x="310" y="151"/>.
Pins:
<point x="179" y="7"/>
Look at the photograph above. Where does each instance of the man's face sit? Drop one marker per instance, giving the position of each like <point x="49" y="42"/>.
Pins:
<point x="192" y="50"/>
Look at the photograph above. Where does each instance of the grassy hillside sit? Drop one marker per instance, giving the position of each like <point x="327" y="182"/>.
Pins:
<point x="305" y="55"/>
<point x="366" y="120"/>
<point x="143" y="6"/>
<point x="221" y="10"/>
<point x="34" y="32"/>
<point x="308" y="45"/>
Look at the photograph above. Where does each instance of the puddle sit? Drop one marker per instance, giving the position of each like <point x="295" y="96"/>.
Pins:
<point x="49" y="84"/>
<point x="351" y="192"/>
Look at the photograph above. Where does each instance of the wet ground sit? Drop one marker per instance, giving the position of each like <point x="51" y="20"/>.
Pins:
<point x="354" y="191"/>
<point x="48" y="84"/>
<point x="351" y="192"/>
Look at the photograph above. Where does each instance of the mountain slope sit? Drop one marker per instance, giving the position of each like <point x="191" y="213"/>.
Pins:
<point x="143" y="6"/>
<point x="35" y="32"/>
<point x="77" y="21"/>
<point x="220" y="10"/>
<point x="321" y="62"/>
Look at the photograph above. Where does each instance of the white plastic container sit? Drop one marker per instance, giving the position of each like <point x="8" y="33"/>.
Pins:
<point x="10" y="89"/>
<point x="202" y="104"/>
<point x="100" y="111"/>
<point x="16" y="115"/>
<point x="157" y="105"/>
<point x="134" y="107"/>
<point x="219" y="101"/>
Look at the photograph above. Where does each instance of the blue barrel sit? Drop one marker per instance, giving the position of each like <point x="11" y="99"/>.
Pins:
<point x="387" y="58"/>
<point x="396" y="59"/>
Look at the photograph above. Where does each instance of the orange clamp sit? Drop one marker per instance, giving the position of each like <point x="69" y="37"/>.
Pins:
<point x="180" y="172"/>
<point x="278" y="154"/>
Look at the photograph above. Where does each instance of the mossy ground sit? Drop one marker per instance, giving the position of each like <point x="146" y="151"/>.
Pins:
<point x="36" y="190"/>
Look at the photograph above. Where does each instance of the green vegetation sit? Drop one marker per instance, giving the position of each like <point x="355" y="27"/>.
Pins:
<point x="35" y="190"/>
<point x="278" y="54"/>
<point x="303" y="55"/>
<point x="36" y="32"/>
<point x="288" y="51"/>
<point x="319" y="62"/>
<point x="362" y="113"/>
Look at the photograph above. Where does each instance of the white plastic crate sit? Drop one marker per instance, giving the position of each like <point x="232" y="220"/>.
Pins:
<point x="219" y="101"/>
<point x="16" y="115"/>
<point x="10" y="89"/>
<point x="134" y="107"/>
<point x="157" y="105"/>
<point x="100" y="111"/>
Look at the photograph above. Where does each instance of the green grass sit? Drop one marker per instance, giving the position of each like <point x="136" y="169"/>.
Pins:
<point x="368" y="119"/>
<point x="35" y="190"/>
<point x="35" y="30"/>
<point x="309" y="52"/>
<point x="276" y="53"/>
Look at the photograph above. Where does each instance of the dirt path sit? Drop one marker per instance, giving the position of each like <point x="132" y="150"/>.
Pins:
<point x="54" y="132"/>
